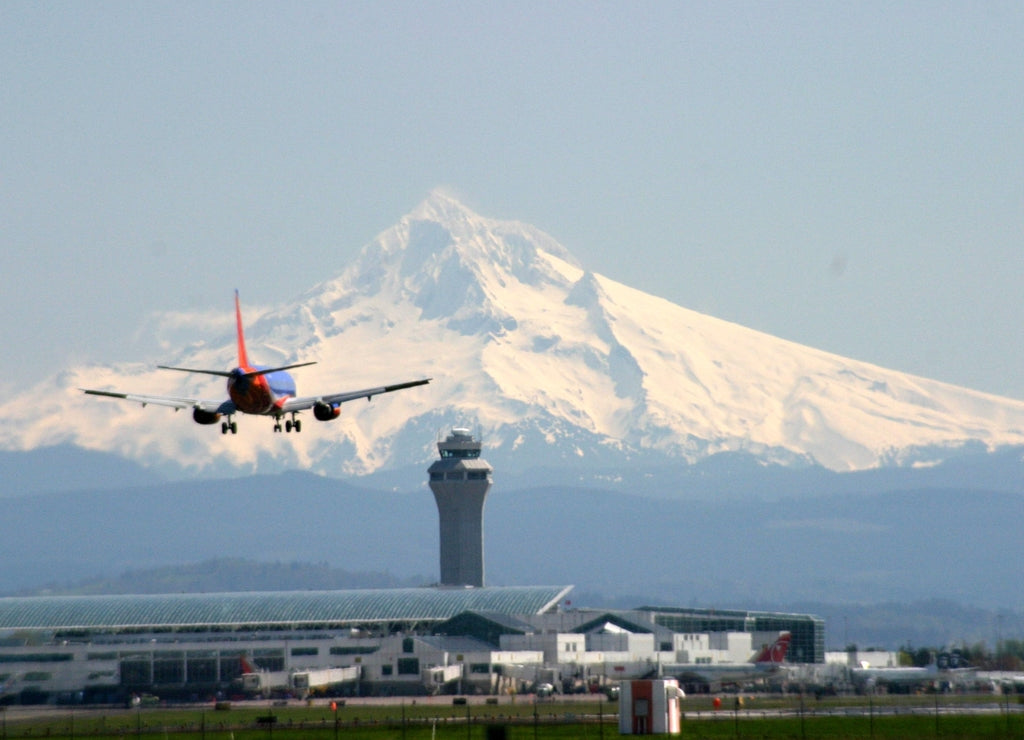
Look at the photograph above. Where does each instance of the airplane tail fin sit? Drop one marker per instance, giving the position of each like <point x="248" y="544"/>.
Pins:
<point x="247" y="667"/>
<point x="243" y="357"/>
<point x="244" y="368"/>
<point x="776" y="652"/>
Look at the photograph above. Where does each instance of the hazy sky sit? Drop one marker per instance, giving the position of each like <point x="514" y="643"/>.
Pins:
<point x="846" y="175"/>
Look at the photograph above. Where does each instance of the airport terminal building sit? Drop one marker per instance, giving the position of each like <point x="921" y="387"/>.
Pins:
<point x="98" y="649"/>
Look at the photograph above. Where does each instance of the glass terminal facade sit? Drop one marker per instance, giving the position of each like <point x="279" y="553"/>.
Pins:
<point x="808" y="631"/>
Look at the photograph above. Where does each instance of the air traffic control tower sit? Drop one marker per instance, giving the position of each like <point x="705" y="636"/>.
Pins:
<point x="460" y="481"/>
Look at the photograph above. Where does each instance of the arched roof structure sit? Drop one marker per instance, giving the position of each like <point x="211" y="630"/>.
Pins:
<point x="296" y="610"/>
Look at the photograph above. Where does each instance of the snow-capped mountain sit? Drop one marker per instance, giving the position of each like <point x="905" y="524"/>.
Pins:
<point x="552" y="363"/>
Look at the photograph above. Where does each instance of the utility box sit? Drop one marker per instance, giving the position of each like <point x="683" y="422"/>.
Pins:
<point x="649" y="707"/>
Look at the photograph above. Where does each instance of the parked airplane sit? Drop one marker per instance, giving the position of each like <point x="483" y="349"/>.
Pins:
<point x="760" y="665"/>
<point x="867" y="678"/>
<point x="943" y="667"/>
<point x="257" y="389"/>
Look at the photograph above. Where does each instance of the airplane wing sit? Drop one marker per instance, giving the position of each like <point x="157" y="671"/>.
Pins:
<point x="335" y="399"/>
<point x="219" y="407"/>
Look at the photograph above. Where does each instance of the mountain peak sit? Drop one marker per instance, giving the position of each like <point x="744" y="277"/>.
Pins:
<point x="443" y="207"/>
<point x="465" y="229"/>
<point x="460" y="267"/>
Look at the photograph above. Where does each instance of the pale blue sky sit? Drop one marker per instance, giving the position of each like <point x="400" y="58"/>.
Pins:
<point x="845" y="175"/>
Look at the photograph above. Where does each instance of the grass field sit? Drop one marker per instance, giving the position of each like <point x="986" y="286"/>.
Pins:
<point x="764" y="719"/>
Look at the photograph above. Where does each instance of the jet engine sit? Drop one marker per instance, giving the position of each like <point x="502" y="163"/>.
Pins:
<point x="326" y="411"/>
<point x="201" y="416"/>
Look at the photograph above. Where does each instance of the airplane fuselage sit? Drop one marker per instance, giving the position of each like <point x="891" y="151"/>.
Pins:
<point x="260" y="394"/>
<point x="722" y="673"/>
<point x="763" y="664"/>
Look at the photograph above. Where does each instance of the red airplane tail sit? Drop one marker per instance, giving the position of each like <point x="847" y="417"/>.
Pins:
<point x="776" y="652"/>
<point x="243" y="357"/>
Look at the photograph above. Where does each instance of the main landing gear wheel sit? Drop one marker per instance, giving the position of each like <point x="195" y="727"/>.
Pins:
<point x="228" y="426"/>
<point x="289" y="425"/>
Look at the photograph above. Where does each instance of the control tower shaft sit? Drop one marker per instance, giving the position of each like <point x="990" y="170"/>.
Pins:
<point x="460" y="481"/>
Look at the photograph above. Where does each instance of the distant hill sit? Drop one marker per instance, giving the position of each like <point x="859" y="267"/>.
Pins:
<point x="68" y="468"/>
<point x="220" y="575"/>
<point x="926" y="623"/>
<point x="66" y="537"/>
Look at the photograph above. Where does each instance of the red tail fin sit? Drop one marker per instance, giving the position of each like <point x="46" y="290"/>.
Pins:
<point x="243" y="357"/>
<point x="247" y="666"/>
<point x="776" y="652"/>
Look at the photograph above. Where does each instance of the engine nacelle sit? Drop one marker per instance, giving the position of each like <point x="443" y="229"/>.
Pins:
<point x="201" y="416"/>
<point x="326" y="411"/>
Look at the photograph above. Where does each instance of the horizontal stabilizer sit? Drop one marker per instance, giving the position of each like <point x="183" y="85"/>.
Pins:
<point x="267" y="370"/>
<point x="221" y="373"/>
<point x="229" y="374"/>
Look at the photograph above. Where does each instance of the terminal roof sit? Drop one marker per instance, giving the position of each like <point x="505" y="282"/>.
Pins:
<point x="291" y="609"/>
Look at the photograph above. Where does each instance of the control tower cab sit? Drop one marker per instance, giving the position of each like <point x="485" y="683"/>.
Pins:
<point x="460" y="481"/>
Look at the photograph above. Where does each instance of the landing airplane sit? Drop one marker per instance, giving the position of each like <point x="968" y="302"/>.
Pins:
<point x="760" y="665"/>
<point x="256" y="389"/>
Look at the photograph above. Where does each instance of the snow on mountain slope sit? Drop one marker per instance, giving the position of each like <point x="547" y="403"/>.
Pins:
<point x="554" y="364"/>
